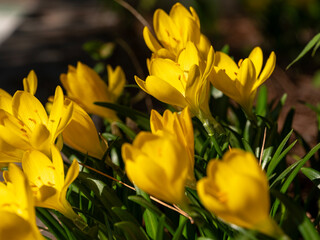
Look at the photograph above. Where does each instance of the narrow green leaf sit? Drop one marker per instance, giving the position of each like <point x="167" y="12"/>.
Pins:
<point x="246" y="145"/>
<point x="312" y="174"/>
<point x="124" y="215"/>
<point x="178" y="234"/>
<point x="144" y="203"/>
<point x="262" y="99"/>
<point x="315" y="40"/>
<point x="51" y="223"/>
<point x="275" y="159"/>
<point x="131" y="134"/>
<point x="299" y="217"/>
<point x="293" y="174"/>
<point x="131" y="231"/>
<point x="159" y="235"/>
<point x="151" y="222"/>
<point x="140" y="118"/>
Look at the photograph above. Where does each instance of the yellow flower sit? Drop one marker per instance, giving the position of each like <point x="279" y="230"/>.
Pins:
<point x="156" y="164"/>
<point x="173" y="31"/>
<point x="240" y="82"/>
<point x="236" y="190"/>
<point x="17" y="207"/>
<point x="81" y="134"/>
<point x="29" y="126"/>
<point x="47" y="181"/>
<point x="182" y="83"/>
<point x="180" y="126"/>
<point x="85" y="87"/>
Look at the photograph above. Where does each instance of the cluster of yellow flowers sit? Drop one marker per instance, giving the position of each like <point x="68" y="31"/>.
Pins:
<point x="161" y="162"/>
<point x="181" y="68"/>
<point x="32" y="137"/>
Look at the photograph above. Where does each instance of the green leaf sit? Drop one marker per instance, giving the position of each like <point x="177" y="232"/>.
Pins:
<point x="293" y="174"/>
<point x="151" y="222"/>
<point x="131" y="134"/>
<point x="276" y="157"/>
<point x="312" y="174"/>
<point x="140" y="118"/>
<point x="132" y="231"/>
<point x="313" y="42"/>
<point x="178" y="234"/>
<point x="146" y="204"/>
<point x="51" y="223"/>
<point x="262" y="100"/>
<point x="246" y="145"/>
<point x="299" y="217"/>
<point x="159" y="234"/>
<point x="124" y="215"/>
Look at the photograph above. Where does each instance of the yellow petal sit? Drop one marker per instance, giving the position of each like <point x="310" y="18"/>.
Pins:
<point x="81" y="134"/>
<point x="247" y="77"/>
<point x="72" y="174"/>
<point x="30" y="83"/>
<point x="188" y="57"/>
<point x="150" y="40"/>
<point x="185" y="23"/>
<point x="267" y="70"/>
<point x="256" y="56"/>
<point x="166" y="31"/>
<point x="28" y="109"/>
<point x="164" y="92"/>
<point x="168" y="71"/>
<point x="5" y="101"/>
<point x="116" y="80"/>
<point x="224" y="62"/>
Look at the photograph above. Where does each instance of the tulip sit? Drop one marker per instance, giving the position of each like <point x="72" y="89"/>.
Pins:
<point x="180" y="126"/>
<point x="240" y="82"/>
<point x="47" y="181"/>
<point x="29" y="126"/>
<point x="174" y="31"/>
<point x="85" y="87"/>
<point x="81" y="134"/>
<point x="236" y="190"/>
<point x="157" y="164"/>
<point x="17" y="207"/>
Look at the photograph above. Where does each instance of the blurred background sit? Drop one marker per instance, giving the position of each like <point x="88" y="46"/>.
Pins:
<point x="47" y="36"/>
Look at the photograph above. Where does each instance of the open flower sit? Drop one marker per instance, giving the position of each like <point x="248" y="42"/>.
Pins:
<point x="174" y="31"/>
<point x="85" y="87"/>
<point x="17" y="207"/>
<point x="182" y="83"/>
<point x="157" y="164"/>
<point x="29" y="126"/>
<point x="180" y="126"/>
<point x="47" y="180"/>
<point x="240" y="82"/>
<point x="81" y="134"/>
<point x="236" y="190"/>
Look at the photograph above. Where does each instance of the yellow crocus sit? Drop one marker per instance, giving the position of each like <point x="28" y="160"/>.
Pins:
<point x="157" y="164"/>
<point x="236" y="190"/>
<point x="81" y="134"/>
<point x="29" y="126"/>
<point x="47" y="181"/>
<point x="85" y="87"/>
<point x="174" y="31"/>
<point x="182" y="83"/>
<point x="18" y="219"/>
<point x="180" y="126"/>
<point x="240" y="82"/>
